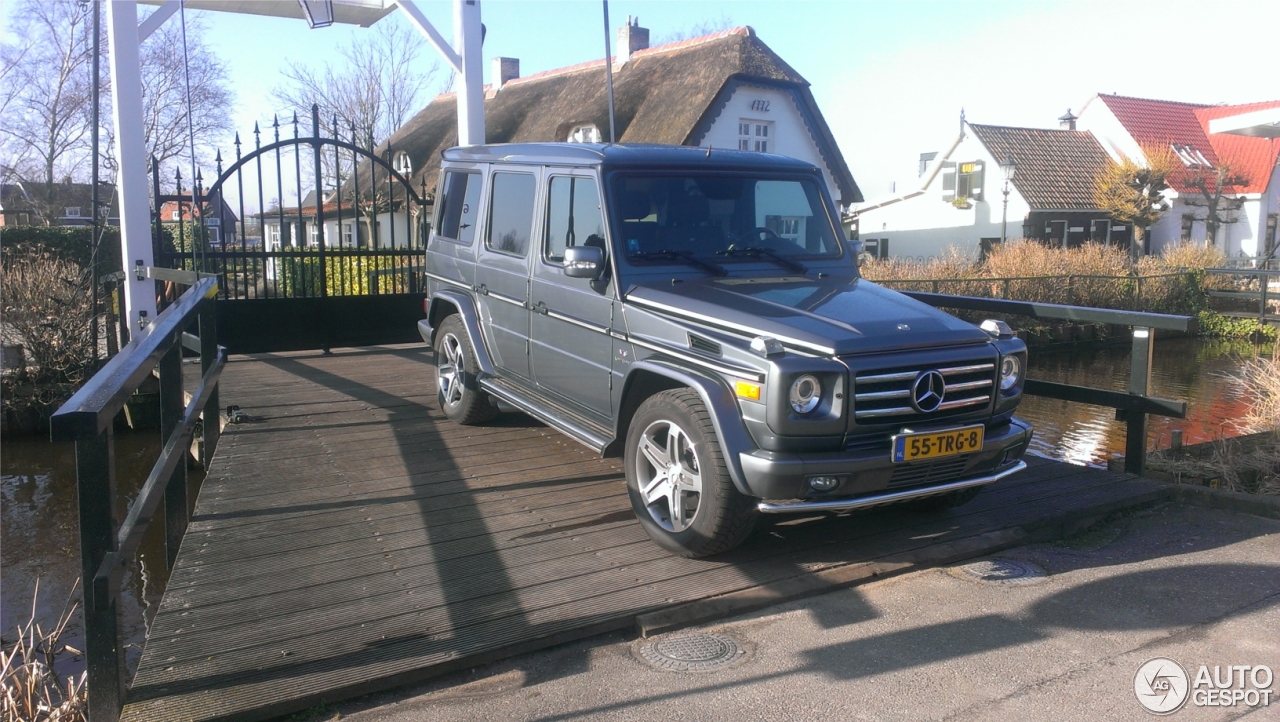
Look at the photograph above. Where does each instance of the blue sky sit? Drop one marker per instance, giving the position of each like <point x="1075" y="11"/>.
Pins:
<point x="890" y="77"/>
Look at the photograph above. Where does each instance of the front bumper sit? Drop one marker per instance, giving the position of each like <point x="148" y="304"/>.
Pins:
<point x="782" y="476"/>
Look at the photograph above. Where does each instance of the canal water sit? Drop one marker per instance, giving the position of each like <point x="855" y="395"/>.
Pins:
<point x="38" y="490"/>
<point x="40" y="539"/>
<point x="1198" y="371"/>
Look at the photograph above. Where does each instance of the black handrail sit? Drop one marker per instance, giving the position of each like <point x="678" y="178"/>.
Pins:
<point x="1132" y="407"/>
<point x="88" y="418"/>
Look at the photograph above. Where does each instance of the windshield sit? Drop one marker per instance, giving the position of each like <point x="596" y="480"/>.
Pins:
<point x="666" y="219"/>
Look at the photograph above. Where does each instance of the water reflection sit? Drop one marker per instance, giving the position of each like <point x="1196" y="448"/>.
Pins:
<point x="1193" y="370"/>
<point x="41" y="538"/>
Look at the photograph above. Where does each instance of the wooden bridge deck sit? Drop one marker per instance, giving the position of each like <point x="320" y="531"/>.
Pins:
<point x="349" y="538"/>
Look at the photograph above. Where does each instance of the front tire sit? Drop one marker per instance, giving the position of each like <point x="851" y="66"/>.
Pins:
<point x="456" y="369"/>
<point x="678" y="483"/>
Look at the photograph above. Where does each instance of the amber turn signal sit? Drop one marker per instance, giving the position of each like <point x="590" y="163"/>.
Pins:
<point x="747" y="390"/>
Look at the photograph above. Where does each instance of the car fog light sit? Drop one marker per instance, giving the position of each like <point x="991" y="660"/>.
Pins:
<point x="823" y="483"/>
<point x="1010" y="366"/>
<point x="806" y="392"/>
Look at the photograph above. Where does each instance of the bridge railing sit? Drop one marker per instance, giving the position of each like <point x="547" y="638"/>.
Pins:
<point x="88" y="418"/>
<point x="1258" y="293"/>
<point x="1132" y="407"/>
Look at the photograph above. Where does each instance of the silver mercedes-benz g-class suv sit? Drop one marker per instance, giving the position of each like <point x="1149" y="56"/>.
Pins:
<point x="698" y="312"/>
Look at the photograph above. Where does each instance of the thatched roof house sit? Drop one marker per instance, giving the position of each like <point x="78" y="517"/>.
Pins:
<point x="722" y="90"/>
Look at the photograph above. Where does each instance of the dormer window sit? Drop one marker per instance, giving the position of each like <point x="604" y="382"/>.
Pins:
<point x="587" y="133"/>
<point x="71" y="212"/>
<point x="402" y="164"/>
<point x="177" y="214"/>
<point x="1190" y="157"/>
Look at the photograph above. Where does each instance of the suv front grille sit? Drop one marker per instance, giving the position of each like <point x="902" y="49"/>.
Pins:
<point x="930" y="472"/>
<point x="884" y="395"/>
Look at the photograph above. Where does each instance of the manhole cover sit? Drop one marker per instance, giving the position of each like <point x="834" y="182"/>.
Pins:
<point x="1001" y="571"/>
<point x="691" y="652"/>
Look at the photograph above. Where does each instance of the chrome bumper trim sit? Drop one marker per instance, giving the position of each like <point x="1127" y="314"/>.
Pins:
<point x="864" y="502"/>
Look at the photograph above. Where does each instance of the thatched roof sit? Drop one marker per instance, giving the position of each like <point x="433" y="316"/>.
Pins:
<point x="667" y="94"/>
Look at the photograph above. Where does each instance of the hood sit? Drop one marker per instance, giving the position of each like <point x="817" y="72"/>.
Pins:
<point x="835" y="315"/>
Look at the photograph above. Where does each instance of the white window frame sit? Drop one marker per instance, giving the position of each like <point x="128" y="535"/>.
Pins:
<point x="757" y="136"/>
<point x="71" y="212"/>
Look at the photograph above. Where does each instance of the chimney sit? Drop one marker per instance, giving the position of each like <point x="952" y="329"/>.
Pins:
<point x="1068" y="121"/>
<point x="631" y="37"/>
<point x="504" y="71"/>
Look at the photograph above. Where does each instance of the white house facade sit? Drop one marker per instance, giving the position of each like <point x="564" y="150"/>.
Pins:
<point x="961" y="200"/>
<point x="1126" y="127"/>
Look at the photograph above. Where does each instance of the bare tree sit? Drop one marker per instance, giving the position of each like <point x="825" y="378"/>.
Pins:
<point x="1216" y="188"/>
<point x="45" y="121"/>
<point x="165" y="99"/>
<point x="1133" y="193"/>
<point x="382" y="81"/>
<point x="46" y="90"/>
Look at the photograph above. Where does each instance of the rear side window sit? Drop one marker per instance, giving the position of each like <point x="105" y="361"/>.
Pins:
<point x="459" y="204"/>
<point x="511" y="213"/>
<point x="573" y="216"/>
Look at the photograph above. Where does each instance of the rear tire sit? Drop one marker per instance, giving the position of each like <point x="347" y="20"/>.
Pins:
<point x="457" y="389"/>
<point x="678" y="483"/>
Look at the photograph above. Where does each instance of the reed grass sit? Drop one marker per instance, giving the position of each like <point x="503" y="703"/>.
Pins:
<point x="33" y="691"/>
<point x="1090" y="275"/>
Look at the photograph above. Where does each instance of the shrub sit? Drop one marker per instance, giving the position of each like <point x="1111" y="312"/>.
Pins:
<point x="48" y="310"/>
<point x="73" y="243"/>
<point x="345" y="275"/>
<point x="1090" y="275"/>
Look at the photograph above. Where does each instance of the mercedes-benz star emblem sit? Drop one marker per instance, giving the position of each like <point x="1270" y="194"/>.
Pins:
<point x="927" y="391"/>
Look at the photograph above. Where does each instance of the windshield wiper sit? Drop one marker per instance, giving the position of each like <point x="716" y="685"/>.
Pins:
<point x="757" y="252"/>
<point x="684" y="257"/>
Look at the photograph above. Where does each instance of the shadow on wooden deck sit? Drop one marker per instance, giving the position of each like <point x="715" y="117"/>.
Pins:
<point x="349" y="538"/>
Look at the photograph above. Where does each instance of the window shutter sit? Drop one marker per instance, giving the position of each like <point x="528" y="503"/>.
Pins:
<point x="979" y="172"/>
<point x="948" y="182"/>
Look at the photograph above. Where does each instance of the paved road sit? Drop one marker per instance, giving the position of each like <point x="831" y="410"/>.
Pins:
<point x="1198" y="586"/>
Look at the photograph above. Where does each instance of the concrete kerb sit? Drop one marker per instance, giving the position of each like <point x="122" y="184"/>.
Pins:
<point x="1255" y="504"/>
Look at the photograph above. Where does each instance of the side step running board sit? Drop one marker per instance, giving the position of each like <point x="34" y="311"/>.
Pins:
<point x="590" y="434"/>
<point x="863" y="502"/>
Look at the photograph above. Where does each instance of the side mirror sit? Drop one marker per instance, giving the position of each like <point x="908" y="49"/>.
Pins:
<point x="857" y="248"/>
<point x="583" y="261"/>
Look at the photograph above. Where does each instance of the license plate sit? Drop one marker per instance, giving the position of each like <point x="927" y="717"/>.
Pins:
<point x="933" y="444"/>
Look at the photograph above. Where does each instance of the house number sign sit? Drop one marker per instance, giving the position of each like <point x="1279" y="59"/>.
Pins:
<point x="761" y="106"/>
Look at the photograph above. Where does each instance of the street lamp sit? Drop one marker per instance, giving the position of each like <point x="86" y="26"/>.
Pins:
<point x="319" y="12"/>
<point x="1009" y="167"/>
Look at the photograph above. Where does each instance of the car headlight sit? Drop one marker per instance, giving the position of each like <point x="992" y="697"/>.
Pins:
<point x="1010" y="367"/>
<point x="806" y="392"/>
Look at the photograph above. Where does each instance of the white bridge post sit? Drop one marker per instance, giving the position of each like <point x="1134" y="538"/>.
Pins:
<point x="466" y="57"/>
<point x="131" y="157"/>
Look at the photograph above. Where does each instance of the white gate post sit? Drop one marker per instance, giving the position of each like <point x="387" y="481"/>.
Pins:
<point x="131" y="157"/>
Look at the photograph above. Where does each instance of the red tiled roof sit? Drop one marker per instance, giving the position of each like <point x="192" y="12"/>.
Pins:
<point x="1253" y="158"/>
<point x="1165" y="123"/>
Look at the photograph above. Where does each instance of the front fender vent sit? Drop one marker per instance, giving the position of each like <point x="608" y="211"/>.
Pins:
<point x="705" y="345"/>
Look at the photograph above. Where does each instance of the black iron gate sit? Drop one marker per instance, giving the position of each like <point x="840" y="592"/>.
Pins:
<point x="339" y="263"/>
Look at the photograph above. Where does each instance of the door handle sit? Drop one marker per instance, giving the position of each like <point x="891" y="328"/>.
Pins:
<point x="541" y="308"/>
